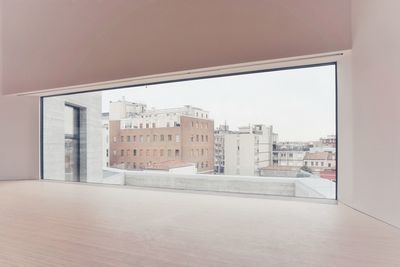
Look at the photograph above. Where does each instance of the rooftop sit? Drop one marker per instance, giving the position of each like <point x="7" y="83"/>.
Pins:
<point x="319" y="156"/>
<point x="169" y="164"/>
<point x="280" y="168"/>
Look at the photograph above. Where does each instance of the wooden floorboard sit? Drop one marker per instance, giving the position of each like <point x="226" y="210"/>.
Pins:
<point x="59" y="224"/>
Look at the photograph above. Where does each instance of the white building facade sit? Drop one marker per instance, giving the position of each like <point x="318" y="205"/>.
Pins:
<point x="138" y="116"/>
<point x="219" y="148"/>
<point x="72" y="138"/>
<point x="249" y="150"/>
<point x="106" y="139"/>
<point x="320" y="161"/>
<point x="290" y="154"/>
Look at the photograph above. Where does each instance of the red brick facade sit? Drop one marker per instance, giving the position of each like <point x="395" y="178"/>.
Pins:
<point x="140" y="148"/>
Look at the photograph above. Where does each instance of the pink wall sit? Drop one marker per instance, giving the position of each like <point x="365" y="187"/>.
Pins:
<point x="19" y="138"/>
<point x="375" y="185"/>
<point x="50" y="44"/>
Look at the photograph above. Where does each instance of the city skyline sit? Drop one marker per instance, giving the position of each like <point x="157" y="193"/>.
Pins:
<point x="301" y="99"/>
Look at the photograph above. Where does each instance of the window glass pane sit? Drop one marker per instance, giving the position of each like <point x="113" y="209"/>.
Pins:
<point x="276" y="126"/>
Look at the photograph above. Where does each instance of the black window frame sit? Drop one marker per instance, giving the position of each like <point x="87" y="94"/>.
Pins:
<point x="233" y="73"/>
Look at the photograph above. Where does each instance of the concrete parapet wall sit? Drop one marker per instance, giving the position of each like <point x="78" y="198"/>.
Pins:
<point x="215" y="183"/>
<point x="278" y="186"/>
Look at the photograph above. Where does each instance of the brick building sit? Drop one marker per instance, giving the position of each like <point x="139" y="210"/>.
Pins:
<point x="147" y="139"/>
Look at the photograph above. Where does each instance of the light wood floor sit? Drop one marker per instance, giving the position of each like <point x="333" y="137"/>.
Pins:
<point x="57" y="224"/>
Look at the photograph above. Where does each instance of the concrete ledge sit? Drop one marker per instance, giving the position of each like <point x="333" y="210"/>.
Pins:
<point x="277" y="186"/>
<point x="216" y="183"/>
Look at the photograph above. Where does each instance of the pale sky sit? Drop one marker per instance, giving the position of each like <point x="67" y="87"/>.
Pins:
<point x="299" y="103"/>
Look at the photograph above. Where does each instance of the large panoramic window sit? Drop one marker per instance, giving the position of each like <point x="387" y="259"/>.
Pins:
<point x="266" y="133"/>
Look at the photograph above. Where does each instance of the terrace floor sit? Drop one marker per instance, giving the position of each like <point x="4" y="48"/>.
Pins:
<point x="45" y="223"/>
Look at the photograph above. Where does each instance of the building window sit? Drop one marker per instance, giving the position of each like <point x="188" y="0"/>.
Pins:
<point x="114" y="152"/>
<point x="161" y="152"/>
<point x="147" y="152"/>
<point x="176" y="152"/>
<point x="202" y="138"/>
<point x="141" y="125"/>
<point x="122" y="139"/>
<point x="141" y="139"/>
<point x="153" y="125"/>
<point x="169" y="153"/>
<point x="114" y="139"/>
<point x="122" y="152"/>
<point x="322" y="164"/>
<point x="170" y="137"/>
<point x="71" y="143"/>
<point x="206" y="138"/>
<point x="162" y="138"/>
<point x="147" y="125"/>
<point x="154" y="138"/>
<point x="197" y="138"/>
<point x="177" y="138"/>
<point x="134" y="138"/>
<point x="329" y="165"/>
<point x="128" y="138"/>
<point x="192" y="138"/>
<point x="134" y="152"/>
